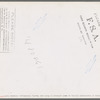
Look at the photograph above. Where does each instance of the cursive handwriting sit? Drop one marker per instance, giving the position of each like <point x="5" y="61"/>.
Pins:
<point x="32" y="52"/>
<point x="28" y="41"/>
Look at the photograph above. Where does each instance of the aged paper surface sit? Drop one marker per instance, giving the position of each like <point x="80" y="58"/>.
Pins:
<point x="49" y="49"/>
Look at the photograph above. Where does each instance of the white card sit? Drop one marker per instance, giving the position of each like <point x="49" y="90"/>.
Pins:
<point x="49" y="49"/>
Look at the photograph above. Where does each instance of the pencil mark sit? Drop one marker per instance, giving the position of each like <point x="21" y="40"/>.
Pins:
<point x="29" y="45"/>
<point x="32" y="52"/>
<point x="27" y="40"/>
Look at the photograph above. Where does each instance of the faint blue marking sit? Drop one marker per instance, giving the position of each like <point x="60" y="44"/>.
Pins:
<point x="90" y="64"/>
<point x="39" y="22"/>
